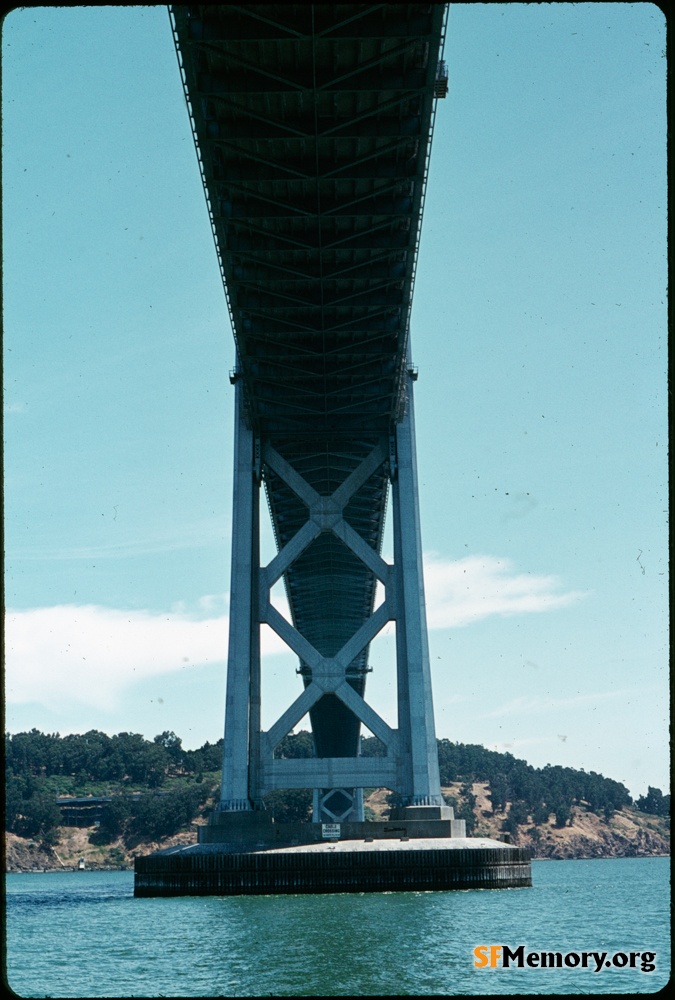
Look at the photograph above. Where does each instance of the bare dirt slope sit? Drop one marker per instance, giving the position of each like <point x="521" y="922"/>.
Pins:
<point x="629" y="833"/>
<point x="28" y="855"/>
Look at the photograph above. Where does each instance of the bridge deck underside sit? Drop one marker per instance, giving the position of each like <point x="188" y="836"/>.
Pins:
<point x="313" y="125"/>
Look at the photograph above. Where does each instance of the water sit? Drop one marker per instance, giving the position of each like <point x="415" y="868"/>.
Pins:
<point x="82" y="934"/>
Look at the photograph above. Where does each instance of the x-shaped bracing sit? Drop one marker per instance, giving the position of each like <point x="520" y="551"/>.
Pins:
<point x="328" y="673"/>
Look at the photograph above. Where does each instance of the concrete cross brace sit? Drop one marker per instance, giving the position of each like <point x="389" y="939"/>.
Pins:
<point x="287" y="556"/>
<point x="330" y="772"/>
<point x="302" y="704"/>
<point x="290" y="718"/>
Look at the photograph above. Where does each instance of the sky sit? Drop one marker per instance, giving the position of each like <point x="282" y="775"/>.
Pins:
<point x="538" y="328"/>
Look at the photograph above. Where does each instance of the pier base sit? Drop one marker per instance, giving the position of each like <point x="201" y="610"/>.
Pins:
<point x="241" y="832"/>
<point x="386" y="865"/>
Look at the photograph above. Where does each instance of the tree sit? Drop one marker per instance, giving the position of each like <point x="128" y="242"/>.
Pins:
<point x="654" y="802"/>
<point x="295" y="745"/>
<point x="563" y="813"/>
<point x="516" y="817"/>
<point x="161" y="815"/>
<point x="371" y="746"/>
<point x="499" y="792"/>
<point x="293" y="805"/>
<point x="541" y="814"/>
<point x="38" y="813"/>
<point x="13" y="799"/>
<point x="33" y="752"/>
<point x="467" y="808"/>
<point x="208" y="757"/>
<point x="173" y="746"/>
<point x="113" y="821"/>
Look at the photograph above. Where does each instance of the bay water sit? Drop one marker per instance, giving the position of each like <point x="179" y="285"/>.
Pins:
<point x="83" y="934"/>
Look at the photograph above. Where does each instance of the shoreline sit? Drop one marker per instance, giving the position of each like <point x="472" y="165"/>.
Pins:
<point x="628" y="833"/>
<point x="127" y="868"/>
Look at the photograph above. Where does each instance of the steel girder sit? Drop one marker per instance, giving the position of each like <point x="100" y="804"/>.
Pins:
<point x="313" y="126"/>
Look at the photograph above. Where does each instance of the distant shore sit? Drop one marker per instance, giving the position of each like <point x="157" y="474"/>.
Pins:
<point x="628" y="834"/>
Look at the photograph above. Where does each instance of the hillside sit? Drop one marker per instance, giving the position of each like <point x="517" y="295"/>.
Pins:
<point x="24" y="855"/>
<point x="142" y="795"/>
<point x="629" y="833"/>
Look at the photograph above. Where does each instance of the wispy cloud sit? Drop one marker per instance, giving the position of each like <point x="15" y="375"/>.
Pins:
<point x="537" y="705"/>
<point x="93" y="655"/>
<point x="462" y="591"/>
<point x="200" y="534"/>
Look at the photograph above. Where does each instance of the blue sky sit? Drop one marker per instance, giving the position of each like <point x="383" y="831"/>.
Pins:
<point x="539" y="330"/>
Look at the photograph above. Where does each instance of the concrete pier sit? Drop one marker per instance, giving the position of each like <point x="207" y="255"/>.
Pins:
<point x="388" y="865"/>
<point x="256" y="830"/>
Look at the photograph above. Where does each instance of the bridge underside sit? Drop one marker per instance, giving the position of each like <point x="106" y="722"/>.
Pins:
<point x="313" y="127"/>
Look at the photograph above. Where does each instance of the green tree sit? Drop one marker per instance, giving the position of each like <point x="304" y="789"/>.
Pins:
<point x="173" y="747"/>
<point x="371" y="746"/>
<point x="292" y="805"/>
<point x="208" y="757"/>
<point x="14" y="787"/>
<point x="654" y="802"/>
<point x="295" y="745"/>
<point x="517" y="816"/>
<point x="541" y="814"/>
<point x="113" y="821"/>
<point x="499" y="791"/>
<point x="467" y="808"/>
<point x="161" y="815"/>
<point x="39" y="814"/>
<point x="563" y="813"/>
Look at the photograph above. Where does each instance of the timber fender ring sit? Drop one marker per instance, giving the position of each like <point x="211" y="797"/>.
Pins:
<point x="296" y="871"/>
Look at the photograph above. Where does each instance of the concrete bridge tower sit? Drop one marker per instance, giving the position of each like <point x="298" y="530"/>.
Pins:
<point x="333" y="680"/>
<point x="313" y="127"/>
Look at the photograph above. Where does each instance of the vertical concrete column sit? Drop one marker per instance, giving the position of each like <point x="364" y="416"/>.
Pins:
<point x="405" y="781"/>
<point x="254" y="724"/>
<point x="420" y="781"/>
<point x="234" y="793"/>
